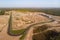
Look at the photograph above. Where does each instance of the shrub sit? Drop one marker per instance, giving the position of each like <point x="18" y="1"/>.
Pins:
<point x="2" y="12"/>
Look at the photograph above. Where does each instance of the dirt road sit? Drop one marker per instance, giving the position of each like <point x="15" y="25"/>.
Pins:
<point x="29" y="34"/>
<point x="3" y="34"/>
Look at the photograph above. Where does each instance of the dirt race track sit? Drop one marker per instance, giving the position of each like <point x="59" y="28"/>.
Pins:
<point x="19" y="19"/>
<point x="4" y="29"/>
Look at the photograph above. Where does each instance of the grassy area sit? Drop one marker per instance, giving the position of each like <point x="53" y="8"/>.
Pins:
<point x="17" y="32"/>
<point x="23" y="36"/>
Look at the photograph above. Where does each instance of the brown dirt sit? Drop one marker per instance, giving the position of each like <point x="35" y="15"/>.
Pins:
<point x="3" y="33"/>
<point x="21" y="20"/>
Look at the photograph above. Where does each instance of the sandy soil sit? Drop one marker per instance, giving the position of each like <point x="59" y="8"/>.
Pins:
<point x="23" y="19"/>
<point x="3" y="33"/>
<point x="29" y="34"/>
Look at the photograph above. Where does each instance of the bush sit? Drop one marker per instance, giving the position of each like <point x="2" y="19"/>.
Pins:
<point x="40" y="28"/>
<point x="2" y="12"/>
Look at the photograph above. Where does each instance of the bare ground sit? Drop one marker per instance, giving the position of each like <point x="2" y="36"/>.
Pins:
<point x="3" y="33"/>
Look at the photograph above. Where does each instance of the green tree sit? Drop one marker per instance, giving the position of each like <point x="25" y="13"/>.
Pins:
<point x="2" y="12"/>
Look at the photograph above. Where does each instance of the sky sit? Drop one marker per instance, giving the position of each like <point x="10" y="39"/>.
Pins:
<point x="29" y="3"/>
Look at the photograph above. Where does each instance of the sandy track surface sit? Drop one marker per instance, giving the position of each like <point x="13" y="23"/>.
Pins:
<point x="20" y="20"/>
<point x="29" y="34"/>
<point x="3" y="21"/>
<point x="3" y="34"/>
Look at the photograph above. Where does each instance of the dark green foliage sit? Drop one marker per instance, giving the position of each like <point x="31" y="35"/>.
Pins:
<point x="48" y="35"/>
<point x="40" y="28"/>
<point x="2" y="12"/>
<point x="17" y="32"/>
<point x="55" y="12"/>
<point x="52" y="11"/>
